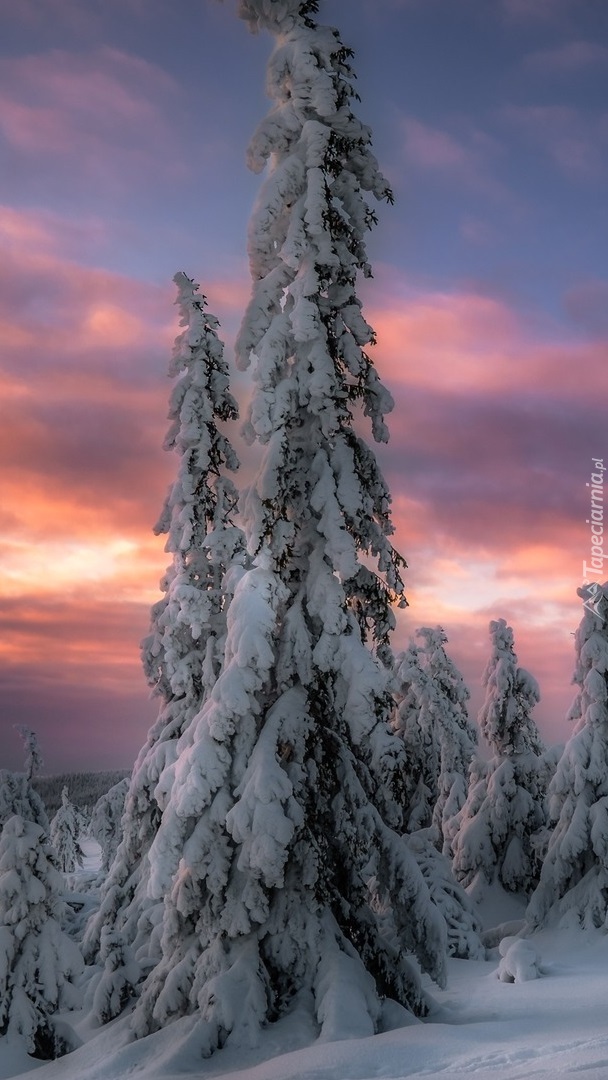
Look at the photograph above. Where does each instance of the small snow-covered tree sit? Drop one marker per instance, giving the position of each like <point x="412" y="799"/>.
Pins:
<point x="504" y="809"/>
<point x="38" y="962"/>
<point x="183" y="653"/>
<point x="285" y="801"/>
<point x="65" y="834"/>
<point x="574" y="877"/>
<point x="456" y="735"/>
<point x="17" y="796"/>
<point x="33" y="756"/>
<point x="105" y="823"/>
<point x="439" y="738"/>
<point x="439" y="742"/>
<point x="462" y="920"/>
<point x="413" y="723"/>
<point x="505" y="718"/>
<point x="111" y="988"/>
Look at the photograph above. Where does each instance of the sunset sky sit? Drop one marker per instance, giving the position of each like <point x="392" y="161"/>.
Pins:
<point x="123" y="129"/>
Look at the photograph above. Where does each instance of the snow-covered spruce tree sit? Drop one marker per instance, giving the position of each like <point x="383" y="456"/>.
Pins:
<point x="38" y="961"/>
<point x="288" y="783"/>
<point x="414" y="692"/>
<point x="456" y="735"/>
<point x="574" y="877"/>
<point x="17" y="796"/>
<point x="183" y="653"/>
<point x="33" y="755"/>
<point x="439" y="742"/>
<point x="505" y="718"/>
<point x="65" y="834"/>
<point x="504" y="809"/>
<point x="105" y="824"/>
<point x="439" y="738"/>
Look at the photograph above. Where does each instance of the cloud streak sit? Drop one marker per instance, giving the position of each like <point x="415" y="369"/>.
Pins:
<point x="577" y="144"/>
<point x="467" y="159"/>
<point x="104" y="115"/>
<point x="572" y="56"/>
<point x="491" y="438"/>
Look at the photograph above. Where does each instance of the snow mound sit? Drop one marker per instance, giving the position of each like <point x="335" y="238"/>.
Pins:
<point x="520" y="961"/>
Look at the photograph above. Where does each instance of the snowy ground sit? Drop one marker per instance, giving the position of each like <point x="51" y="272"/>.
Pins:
<point x="480" y="1027"/>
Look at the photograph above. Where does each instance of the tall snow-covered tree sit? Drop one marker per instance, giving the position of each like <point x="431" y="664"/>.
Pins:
<point x="183" y="653"/>
<point x="574" y="877"/>
<point x="105" y="824"/>
<point x="504" y="810"/>
<point x="283" y="804"/>
<point x="38" y="961"/>
<point x="65" y="834"/>
<point x="439" y="738"/>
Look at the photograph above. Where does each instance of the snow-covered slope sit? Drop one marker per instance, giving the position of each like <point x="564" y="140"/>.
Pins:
<point x="481" y="1027"/>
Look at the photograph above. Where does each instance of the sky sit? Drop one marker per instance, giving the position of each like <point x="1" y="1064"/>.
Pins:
<point x="123" y="131"/>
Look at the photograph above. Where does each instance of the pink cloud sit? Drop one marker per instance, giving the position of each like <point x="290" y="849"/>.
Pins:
<point x="467" y="159"/>
<point x="82" y="473"/>
<point x="46" y="296"/>
<point x="461" y="342"/>
<point x="71" y="668"/>
<point x="587" y="304"/>
<point x="431" y="148"/>
<point x="84" y="353"/>
<point x="105" y="113"/>
<point x="496" y="419"/>
<point x="487" y="465"/>
<point x="82" y="481"/>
